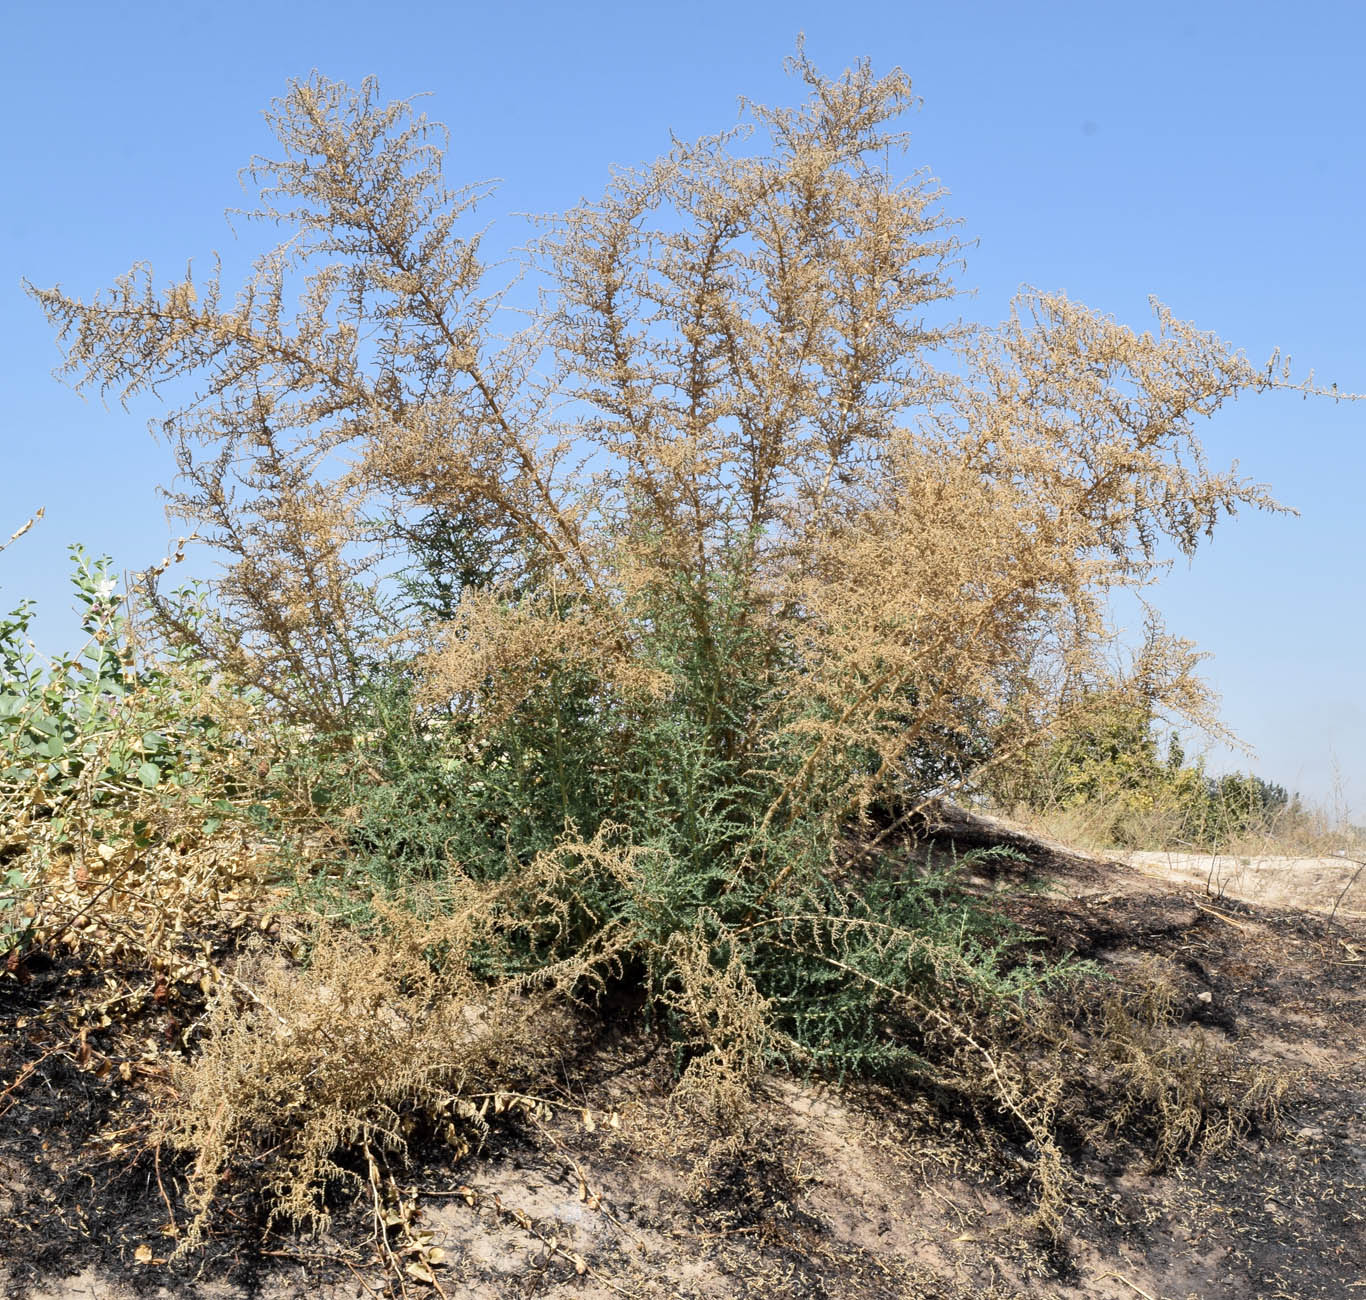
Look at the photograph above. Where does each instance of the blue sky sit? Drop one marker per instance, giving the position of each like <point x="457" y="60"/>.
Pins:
<point x="1213" y="154"/>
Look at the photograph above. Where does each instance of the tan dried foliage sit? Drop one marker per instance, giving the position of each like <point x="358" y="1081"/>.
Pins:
<point x="498" y="649"/>
<point x="1121" y="1057"/>
<point x="731" y="1030"/>
<point x="741" y="348"/>
<point x="1188" y="1093"/>
<point x="129" y="875"/>
<point x="343" y="1048"/>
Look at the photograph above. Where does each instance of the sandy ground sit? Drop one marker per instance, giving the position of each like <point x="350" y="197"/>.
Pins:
<point x="1314" y="884"/>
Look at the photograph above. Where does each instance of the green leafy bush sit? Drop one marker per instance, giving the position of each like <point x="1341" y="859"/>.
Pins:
<point x="113" y="759"/>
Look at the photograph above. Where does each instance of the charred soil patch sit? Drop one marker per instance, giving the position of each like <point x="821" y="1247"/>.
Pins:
<point x="885" y="1190"/>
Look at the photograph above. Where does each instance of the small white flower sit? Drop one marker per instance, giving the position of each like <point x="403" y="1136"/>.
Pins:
<point x="104" y="588"/>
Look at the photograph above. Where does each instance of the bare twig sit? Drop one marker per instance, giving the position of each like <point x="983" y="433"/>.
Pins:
<point x="1361" y="864"/>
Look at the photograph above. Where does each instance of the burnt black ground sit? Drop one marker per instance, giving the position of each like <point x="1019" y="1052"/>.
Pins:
<point x="858" y="1192"/>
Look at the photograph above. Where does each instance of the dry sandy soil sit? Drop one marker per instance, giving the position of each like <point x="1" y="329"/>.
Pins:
<point x="1313" y="884"/>
<point x="849" y="1193"/>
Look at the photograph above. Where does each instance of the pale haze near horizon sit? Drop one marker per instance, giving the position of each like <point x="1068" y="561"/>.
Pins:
<point x="1213" y="156"/>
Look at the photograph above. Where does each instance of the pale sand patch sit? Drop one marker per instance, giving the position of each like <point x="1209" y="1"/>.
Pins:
<point x="1315" y="884"/>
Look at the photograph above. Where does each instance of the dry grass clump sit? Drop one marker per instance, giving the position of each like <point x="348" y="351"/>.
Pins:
<point x="1178" y="1090"/>
<point x="1098" y="1062"/>
<point x="1124" y="1061"/>
<point x="304" y="1066"/>
<point x="299" y="1070"/>
<point x="1301" y="831"/>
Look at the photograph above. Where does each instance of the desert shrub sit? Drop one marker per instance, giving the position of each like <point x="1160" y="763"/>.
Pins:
<point x="1182" y="1092"/>
<point x="743" y="419"/>
<point x="428" y="1006"/>
<point x="627" y="619"/>
<point x="428" y="799"/>
<point x="1167" y="1086"/>
<point x="328" y="1067"/>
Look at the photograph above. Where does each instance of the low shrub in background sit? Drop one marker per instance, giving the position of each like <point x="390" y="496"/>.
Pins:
<point x="1104" y="781"/>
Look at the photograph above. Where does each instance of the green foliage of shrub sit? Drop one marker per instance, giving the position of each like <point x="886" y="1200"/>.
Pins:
<point x="115" y="749"/>
<point x="837" y="961"/>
